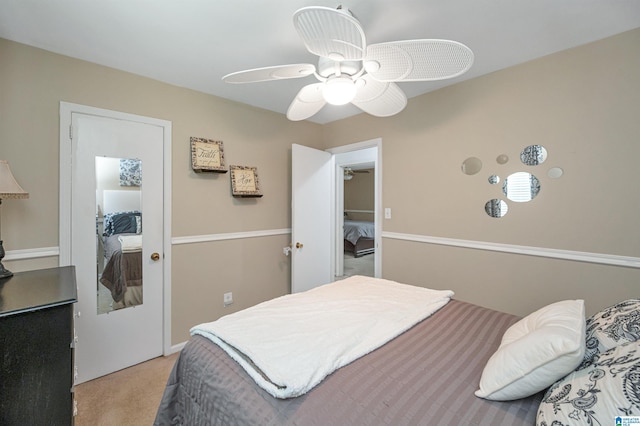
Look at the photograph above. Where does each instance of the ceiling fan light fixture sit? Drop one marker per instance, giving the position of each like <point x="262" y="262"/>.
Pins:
<point x="339" y="90"/>
<point x="348" y="173"/>
<point x="350" y="71"/>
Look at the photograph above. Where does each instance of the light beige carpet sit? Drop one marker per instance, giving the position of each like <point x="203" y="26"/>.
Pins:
<point x="125" y="398"/>
<point x="362" y="265"/>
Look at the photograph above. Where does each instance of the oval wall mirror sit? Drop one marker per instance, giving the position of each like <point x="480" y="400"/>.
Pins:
<point x="555" y="172"/>
<point x="521" y="187"/>
<point x="471" y="166"/>
<point x="502" y="159"/>
<point x="533" y="155"/>
<point x="496" y="208"/>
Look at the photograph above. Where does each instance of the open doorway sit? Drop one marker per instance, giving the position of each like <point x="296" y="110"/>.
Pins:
<point x="359" y="219"/>
<point x="357" y="202"/>
<point x="317" y="210"/>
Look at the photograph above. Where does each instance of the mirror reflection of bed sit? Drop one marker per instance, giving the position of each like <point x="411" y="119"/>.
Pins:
<point x="359" y="226"/>
<point x="119" y="243"/>
<point x="358" y="257"/>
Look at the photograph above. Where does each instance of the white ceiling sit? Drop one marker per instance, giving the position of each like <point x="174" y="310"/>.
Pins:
<point x="193" y="43"/>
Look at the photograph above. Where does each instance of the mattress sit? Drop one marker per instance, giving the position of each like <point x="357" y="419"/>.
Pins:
<point x="427" y="375"/>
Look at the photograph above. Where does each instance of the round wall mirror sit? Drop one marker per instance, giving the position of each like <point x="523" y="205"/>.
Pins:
<point x="502" y="159"/>
<point x="471" y="166"/>
<point x="533" y="155"/>
<point x="493" y="179"/>
<point x="555" y="172"/>
<point x="496" y="208"/>
<point x="521" y="187"/>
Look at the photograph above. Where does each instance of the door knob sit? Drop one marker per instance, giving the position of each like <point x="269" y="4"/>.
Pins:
<point x="298" y="245"/>
<point x="155" y="257"/>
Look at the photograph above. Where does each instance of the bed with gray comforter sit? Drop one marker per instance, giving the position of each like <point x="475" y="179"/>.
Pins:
<point x="427" y="376"/>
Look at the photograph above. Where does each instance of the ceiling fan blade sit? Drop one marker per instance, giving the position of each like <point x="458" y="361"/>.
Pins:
<point x="307" y="102"/>
<point x="417" y="60"/>
<point x="331" y="33"/>
<point x="381" y="99"/>
<point x="278" y="72"/>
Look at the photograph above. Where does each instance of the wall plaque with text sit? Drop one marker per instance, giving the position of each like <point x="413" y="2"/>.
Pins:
<point x="207" y="155"/>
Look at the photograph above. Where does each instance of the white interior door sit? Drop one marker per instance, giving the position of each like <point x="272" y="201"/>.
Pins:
<point x="311" y="218"/>
<point x="110" y="341"/>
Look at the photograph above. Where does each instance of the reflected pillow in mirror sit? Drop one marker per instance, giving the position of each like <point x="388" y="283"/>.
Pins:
<point x="122" y="223"/>
<point x="535" y="352"/>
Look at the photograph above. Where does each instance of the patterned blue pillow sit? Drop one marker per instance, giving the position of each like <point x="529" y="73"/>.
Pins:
<point x="122" y="223"/>
<point x="612" y="327"/>
<point x="607" y="388"/>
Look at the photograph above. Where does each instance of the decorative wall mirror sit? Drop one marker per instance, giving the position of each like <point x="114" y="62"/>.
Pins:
<point x="533" y="155"/>
<point x="471" y="166"/>
<point x="502" y="159"/>
<point x="555" y="172"/>
<point x="521" y="187"/>
<point x="496" y="208"/>
<point x="118" y="233"/>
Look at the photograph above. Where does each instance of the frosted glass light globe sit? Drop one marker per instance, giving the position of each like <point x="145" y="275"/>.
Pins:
<point x="339" y="90"/>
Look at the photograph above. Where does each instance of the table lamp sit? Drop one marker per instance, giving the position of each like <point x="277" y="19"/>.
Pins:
<point x="9" y="188"/>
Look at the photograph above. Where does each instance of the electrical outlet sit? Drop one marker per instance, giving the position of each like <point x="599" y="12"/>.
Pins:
<point x="228" y="299"/>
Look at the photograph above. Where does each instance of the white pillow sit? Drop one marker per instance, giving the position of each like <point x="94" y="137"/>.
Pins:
<point x="535" y="352"/>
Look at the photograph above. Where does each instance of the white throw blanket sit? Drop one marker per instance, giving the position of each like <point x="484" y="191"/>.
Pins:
<point x="290" y="344"/>
<point x="130" y="243"/>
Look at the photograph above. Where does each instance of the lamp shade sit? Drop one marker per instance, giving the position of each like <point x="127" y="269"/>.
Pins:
<point x="9" y="188"/>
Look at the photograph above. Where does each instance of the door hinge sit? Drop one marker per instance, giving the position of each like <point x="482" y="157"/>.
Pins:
<point x="71" y="132"/>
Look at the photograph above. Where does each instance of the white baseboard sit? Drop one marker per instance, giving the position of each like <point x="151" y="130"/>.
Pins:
<point x="175" y="348"/>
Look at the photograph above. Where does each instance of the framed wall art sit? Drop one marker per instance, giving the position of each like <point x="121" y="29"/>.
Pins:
<point x="130" y="172"/>
<point x="207" y="156"/>
<point x="245" y="182"/>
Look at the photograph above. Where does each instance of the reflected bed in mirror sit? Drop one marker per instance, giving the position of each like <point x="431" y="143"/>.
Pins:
<point x="119" y="239"/>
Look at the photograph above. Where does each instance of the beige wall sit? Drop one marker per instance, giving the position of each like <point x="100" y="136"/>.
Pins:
<point x="580" y="104"/>
<point x="359" y="194"/>
<point x="33" y="82"/>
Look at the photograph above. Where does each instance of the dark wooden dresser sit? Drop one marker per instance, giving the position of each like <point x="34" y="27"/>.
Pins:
<point x="36" y="347"/>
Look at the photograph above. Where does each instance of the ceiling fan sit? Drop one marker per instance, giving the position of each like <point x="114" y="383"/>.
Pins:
<point x="349" y="70"/>
<point x="349" y="172"/>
